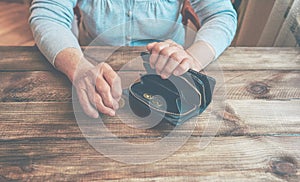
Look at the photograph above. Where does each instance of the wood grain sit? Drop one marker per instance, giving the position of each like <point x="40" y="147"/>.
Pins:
<point x="253" y="133"/>
<point x="53" y="86"/>
<point x="237" y="117"/>
<point x="227" y="158"/>
<point x="28" y="58"/>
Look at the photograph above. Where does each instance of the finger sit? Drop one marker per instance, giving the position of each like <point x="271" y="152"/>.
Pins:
<point x="173" y="44"/>
<point x="102" y="108"/>
<point x="150" y="46"/>
<point x="170" y="41"/>
<point x="155" y="52"/>
<point x="174" y="60"/>
<point x="96" y="101"/>
<point x="104" y="90"/>
<point x="85" y="104"/>
<point x="163" y="58"/>
<point x="114" y="81"/>
<point x="183" y="67"/>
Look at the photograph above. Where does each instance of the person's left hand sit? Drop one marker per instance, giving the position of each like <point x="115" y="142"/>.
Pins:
<point x="169" y="58"/>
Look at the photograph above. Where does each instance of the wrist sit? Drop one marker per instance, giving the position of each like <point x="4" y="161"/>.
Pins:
<point x="202" y="53"/>
<point x="71" y="62"/>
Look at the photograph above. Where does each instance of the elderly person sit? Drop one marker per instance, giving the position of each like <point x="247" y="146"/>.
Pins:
<point x="132" y="23"/>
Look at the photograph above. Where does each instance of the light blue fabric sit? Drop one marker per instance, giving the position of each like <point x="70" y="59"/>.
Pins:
<point x="127" y="22"/>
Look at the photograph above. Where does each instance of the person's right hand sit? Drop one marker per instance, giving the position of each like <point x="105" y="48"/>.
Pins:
<point x="98" y="89"/>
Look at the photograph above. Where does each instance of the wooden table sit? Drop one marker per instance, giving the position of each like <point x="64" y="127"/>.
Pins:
<point x="258" y="138"/>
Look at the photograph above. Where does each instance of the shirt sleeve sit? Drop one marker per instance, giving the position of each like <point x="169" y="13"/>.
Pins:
<point x="51" y="22"/>
<point x="218" y="23"/>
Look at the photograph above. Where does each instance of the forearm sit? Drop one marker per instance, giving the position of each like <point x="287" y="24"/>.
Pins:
<point x="71" y="62"/>
<point x="218" y="33"/>
<point x="218" y="25"/>
<point x="202" y="53"/>
<point x="50" y="22"/>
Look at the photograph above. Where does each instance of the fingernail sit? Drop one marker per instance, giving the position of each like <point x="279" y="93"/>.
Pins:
<point x="164" y="76"/>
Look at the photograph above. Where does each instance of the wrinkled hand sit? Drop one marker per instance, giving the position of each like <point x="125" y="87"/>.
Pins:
<point x="169" y="58"/>
<point x="98" y="89"/>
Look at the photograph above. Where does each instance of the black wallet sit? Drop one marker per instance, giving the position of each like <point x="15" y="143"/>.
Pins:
<point x="175" y="99"/>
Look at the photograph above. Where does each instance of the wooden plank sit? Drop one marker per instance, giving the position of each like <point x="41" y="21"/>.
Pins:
<point x="17" y="58"/>
<point x="260" y="59"/>
<point x="270" y="85"/>
<point x="225" y="158"/>
<point x="39" y="86"/>
<point x="235" y="118"/>
<point x="28" y="58"/>
<point x="34" y="86"/>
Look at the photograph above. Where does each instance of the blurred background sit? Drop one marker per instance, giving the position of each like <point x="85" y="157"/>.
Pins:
<point x="262" y="23"/>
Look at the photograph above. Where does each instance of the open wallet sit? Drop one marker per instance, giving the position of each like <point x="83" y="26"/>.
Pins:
<point x="175" y="99"/>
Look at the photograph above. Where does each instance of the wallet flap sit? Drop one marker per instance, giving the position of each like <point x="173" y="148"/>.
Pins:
<point x="177" y="98"/>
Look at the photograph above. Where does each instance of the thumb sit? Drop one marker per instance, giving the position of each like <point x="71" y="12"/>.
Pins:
<point x="150" y="46"/>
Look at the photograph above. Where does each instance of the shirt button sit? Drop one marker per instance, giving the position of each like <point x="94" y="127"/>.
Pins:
<point x="129" y="13"/>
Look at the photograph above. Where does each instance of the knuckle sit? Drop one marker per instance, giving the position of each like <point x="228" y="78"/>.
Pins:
<point x="115" y="78"/>
<point x="183" y="67"/>
<point x="100" y="107"/>
<point x="108" y="101"/>
<point x="103" y="66"/>
<point x="166" y="51"/>
<point x="104" y="88"/>
<point x="175" y="57"/>
<point x="99" y="103"/>
<point x="158" y="47"/>
<point x="180" y="68"/>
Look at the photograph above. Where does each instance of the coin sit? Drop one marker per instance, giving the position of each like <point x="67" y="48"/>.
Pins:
<point x="121" y="102"/>
<point x="147" y="96"/>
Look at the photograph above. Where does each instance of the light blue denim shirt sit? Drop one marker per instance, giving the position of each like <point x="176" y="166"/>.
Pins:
<point x="127" y="22"/>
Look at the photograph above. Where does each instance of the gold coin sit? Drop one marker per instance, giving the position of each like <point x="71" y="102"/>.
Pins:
<point x="147" y="96"/>
<point x="121" y="103"/>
